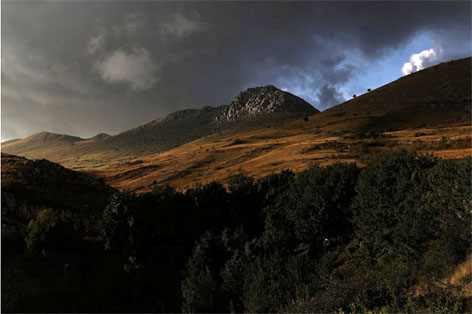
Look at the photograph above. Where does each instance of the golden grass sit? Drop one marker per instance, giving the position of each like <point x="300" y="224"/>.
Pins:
<point x="270" y="150"/>
<point x="462" y="271"/>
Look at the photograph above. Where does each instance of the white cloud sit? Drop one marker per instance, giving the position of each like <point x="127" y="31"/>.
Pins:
<point x="419" y="61"/>
<point x="135" y="68"/>
<point x="181" y="25"/>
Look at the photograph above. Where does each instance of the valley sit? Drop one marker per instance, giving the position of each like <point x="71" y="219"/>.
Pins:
<point x="236" y="157"/>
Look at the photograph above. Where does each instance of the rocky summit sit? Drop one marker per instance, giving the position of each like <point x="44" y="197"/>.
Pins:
<point x="262" y="101"/>
<point x="257" y="103"/>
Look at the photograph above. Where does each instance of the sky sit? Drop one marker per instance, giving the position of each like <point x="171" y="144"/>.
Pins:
<point x="83" y="67"/>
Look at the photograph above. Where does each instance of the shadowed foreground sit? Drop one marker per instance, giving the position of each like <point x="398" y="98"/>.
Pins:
<point x="390" y="237"/>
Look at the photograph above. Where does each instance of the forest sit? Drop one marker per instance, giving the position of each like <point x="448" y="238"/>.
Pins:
<point x="338" y="239"/>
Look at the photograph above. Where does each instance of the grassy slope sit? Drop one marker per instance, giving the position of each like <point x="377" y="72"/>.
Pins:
<point x="265" y="151"/>
<point x="428" y="111"/>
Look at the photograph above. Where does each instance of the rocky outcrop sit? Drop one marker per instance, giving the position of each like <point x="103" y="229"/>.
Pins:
<point x="259" y="102"/>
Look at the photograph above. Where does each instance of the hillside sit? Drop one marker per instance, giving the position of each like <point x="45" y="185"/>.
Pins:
<point x="253" y="107"/>
<point x="427" y="111"/>
<point x="436" y="96"/>
<point x="29" y="186"/>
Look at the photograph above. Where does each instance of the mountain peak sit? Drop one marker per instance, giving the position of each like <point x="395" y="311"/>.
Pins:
<point x="263" y="89"/>
<point x="257" y="102"/>
<point x="48" y="136"/>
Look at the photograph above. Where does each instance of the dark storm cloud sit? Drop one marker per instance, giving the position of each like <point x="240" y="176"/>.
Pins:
<point x="89" y="67"/>
<point x="329" y="96"/>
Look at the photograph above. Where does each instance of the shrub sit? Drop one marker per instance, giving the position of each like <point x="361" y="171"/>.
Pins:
<point x="237" y="142"/>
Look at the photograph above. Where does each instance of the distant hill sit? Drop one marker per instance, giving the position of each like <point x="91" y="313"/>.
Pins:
<point x="255" y="107"/>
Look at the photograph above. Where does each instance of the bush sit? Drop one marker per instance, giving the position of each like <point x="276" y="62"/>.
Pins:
<point x="237" y="142"/>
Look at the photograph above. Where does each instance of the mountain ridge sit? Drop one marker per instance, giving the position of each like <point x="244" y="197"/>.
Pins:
<point x="261" y="105"/>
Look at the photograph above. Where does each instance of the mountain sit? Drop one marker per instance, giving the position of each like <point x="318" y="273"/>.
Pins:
<point x="427" y="111"/>
<point x="255" y="107"/>
<point x="265" y="130"/>
<point x="259" y="105"/>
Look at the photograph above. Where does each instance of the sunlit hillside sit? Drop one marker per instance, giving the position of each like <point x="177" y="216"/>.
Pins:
<point x="428" y="112"/>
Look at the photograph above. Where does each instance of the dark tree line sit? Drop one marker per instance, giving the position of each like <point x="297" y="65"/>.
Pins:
<point x="328" y="238"/>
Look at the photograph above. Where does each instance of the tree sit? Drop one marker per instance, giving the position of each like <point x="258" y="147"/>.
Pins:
<point x="208" y="209"/>
<point x="201" y="286"/>
<point x="52" y="231"/>
<point x="115" y="222"/>
<point x="448" y="201"/>
<point x="389" y="196"/>
<point x="309" y="210"/>
<point x="246" y="202"/>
